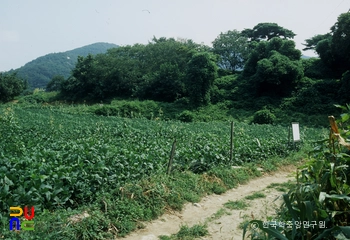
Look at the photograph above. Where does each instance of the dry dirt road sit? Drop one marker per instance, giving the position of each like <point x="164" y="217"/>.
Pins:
<point x="227" y="226"/>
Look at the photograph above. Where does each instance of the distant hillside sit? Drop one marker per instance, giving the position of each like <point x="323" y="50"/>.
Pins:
<point x="40" y="71"/>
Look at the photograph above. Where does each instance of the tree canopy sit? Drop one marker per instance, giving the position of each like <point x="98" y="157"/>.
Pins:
<point x="154" y="71"/>
<point x="202" y="71"/>
<point x="267" y="31"/>
<point x="233" y="50"/>
<point x="10" y="86"/>
<point x="311" y="43"/>
<point x="274" y="67"/>
<point x="264" y="49"/>
<point x="334" y="47"/>
<point x="55" y="83"/>
<point x="277" y="74"/>
<point x="340" y="45"/>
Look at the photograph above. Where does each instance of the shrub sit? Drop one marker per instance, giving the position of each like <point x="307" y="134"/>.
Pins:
<point x="107" y="111"/>
<point x="264" y="117"/>
<point x="136" y="108"/>
<point x="38" y="96"/>
<point x="186" y="116"/>
<point x="10" y="86"/>
<point x="183" y="101"/>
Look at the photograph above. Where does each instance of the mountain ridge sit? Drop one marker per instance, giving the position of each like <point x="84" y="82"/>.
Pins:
<point x="39" y="71"/>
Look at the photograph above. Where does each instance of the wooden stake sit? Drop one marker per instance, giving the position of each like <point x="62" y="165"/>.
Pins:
<point x="231" y="142"/>
<point x="170" y="163"/>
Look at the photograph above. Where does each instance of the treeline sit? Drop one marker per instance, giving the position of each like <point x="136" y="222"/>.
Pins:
<point x="255" y="68"/>
<point x="160" y="70"/>
<point x="264" y="58"/>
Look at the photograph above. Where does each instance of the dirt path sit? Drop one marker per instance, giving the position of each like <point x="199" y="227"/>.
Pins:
<point x="227" y="226"/>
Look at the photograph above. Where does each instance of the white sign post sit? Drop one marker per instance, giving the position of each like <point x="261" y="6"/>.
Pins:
<point x="296" y="132"/>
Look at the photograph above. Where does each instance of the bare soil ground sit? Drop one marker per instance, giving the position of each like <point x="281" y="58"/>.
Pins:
<point x="227" y="226"/>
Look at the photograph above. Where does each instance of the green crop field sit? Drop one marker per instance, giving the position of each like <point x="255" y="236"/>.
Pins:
<point x="53" y="160"/>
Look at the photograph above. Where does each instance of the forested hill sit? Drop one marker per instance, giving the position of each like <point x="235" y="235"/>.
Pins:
<point x="40" y="71"/>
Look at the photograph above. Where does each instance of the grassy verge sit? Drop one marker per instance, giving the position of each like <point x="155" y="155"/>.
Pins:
<point x="241" y="204"/>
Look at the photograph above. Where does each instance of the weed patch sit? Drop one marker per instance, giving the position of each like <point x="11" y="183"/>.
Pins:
<point x="236" y="205"/>
<point x="188" y="233"/>
<point x="255" y="196"/>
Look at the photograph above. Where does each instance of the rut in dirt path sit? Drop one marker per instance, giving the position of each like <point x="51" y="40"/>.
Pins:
<point x="227" y="226"/>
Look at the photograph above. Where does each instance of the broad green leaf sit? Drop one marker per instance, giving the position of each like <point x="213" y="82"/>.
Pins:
<point x="345" y="117"/>
<point x="340" y="106"/>
<point x="8" y="181"/>
<point x="338" y="197"/>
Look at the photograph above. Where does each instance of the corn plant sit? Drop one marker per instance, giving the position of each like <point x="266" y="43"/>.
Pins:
<point x="319" y="206"/>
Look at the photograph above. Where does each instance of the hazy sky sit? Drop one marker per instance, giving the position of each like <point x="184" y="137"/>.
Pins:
<point x="32" y="28"/>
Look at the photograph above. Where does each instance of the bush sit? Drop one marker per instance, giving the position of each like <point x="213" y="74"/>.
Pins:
<point x="10" y="86"/>
<point x="136" y="108"/>
<point x="182" y="101"/>
<point x="264" y="117"/>
<point x="107" y="111"/>
<point x="38" y="96"/>
<point x="186" y="116"/>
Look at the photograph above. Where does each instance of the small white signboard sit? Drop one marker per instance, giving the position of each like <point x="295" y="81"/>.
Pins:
<point x="296" y="133"/>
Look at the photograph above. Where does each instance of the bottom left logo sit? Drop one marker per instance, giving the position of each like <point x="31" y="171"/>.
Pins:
<point x="26" y="225"/>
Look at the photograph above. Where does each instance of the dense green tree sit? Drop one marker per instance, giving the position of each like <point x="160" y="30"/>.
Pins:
<point x="233" y="50"/>
<point x="55" y="83"/>
<point x="263" y="50"/>
<point x="334" y="47"/>
<point x="315" y="68"/>
<point x="311" y="43"/>
<point x="259" y="52"/>
<point x="267" y="31"/>
<point x="340" y="45"/>
<point x="164" y="50"/>
<point x="156" y="70"/>
<point x="324" y="50"/>
<point x="166" y="66"/>
<point x="202" y="71"/>
<point x="277" y="74"/>
<point x="153" y="71"/>
<point x="321" y="44"/>
<point x="130" y="64"/>
<point x="344" y="89"/>
<point x="82" y="84"/>
<point x="274" y="67"/>
<point x="167" y="84"/>
<point x="10" y="86"/>
<point x="94" y="78"/>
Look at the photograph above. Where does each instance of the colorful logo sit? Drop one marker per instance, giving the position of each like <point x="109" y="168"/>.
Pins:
<point x="26" y="225"/>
